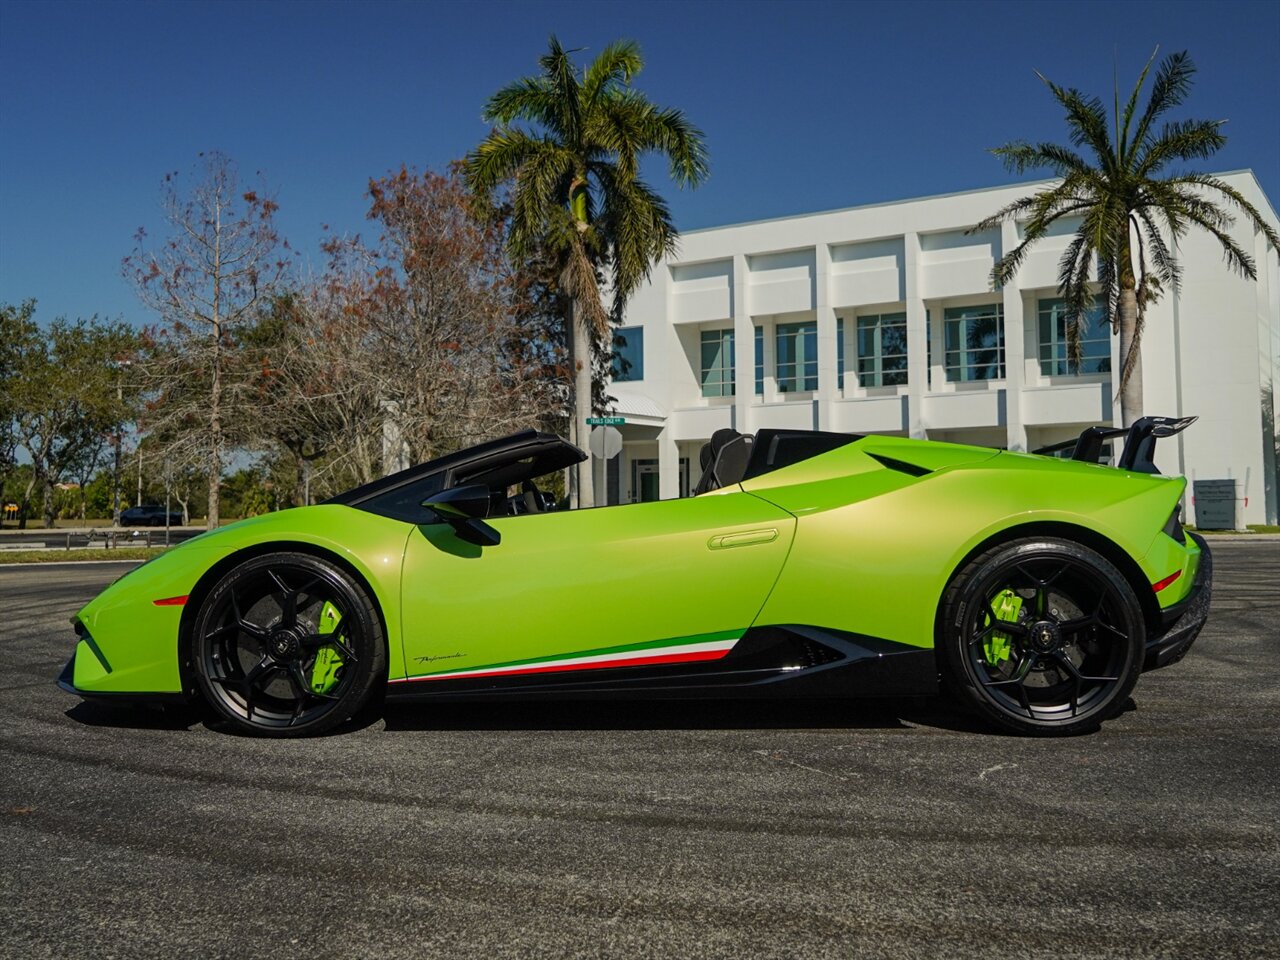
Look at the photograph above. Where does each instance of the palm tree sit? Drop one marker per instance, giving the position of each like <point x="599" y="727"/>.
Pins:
<point x="576" y="193"/>
<point x="1131" y="212"/>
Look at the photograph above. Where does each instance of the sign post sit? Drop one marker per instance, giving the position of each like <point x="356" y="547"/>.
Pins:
<point x="605" y="443"/>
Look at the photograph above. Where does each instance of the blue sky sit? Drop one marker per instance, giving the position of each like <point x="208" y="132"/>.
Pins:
<point x="805" y="106"/>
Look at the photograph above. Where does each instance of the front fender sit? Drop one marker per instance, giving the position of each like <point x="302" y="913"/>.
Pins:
<point x="130" y="632"/>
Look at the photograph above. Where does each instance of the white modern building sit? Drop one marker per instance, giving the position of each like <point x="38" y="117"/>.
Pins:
<point x="882" y="319"/>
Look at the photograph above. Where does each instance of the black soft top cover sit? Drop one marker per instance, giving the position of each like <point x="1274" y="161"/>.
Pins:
<point x="496" y="463"/>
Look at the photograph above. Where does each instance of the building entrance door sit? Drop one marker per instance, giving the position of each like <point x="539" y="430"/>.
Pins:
<point x="644" y="481"/>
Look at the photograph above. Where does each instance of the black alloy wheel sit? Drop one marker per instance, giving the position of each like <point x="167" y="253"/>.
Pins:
<point x="1042" y="636"/>
<point x="288" y="644"/>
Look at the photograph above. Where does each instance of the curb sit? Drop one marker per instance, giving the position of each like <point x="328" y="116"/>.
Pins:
<point x="63" y="563"/>
<point x="1241" y="537"/>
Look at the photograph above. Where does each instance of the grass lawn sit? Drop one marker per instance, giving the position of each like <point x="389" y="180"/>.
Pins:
<point x="77" y="556"/>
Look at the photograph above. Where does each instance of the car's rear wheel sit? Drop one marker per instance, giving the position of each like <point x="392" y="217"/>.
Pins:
<point x="1042" y="636"/>
<point x="288" y="644"/>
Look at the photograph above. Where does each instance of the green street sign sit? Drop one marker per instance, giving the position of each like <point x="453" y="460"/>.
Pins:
<point x="606" y="421"/>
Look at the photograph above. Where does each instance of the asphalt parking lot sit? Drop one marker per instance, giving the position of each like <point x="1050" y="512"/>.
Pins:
<point x="696" y="830"/>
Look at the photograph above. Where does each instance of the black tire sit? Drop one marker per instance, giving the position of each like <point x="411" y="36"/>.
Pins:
<point x="257" y="645"/>
<point x="1041" y="636"/>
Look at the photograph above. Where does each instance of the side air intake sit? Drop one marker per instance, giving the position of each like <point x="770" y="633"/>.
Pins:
<point x="910" y="469"/>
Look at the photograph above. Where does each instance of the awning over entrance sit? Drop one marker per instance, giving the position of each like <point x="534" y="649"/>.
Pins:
<point x="637" y="408"/>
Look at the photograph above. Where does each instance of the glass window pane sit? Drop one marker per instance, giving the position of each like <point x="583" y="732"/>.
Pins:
<point x="882" y="340"/>
<point x="1095" y="340"/>
<point x="759" y="337"/>
<point x="893" y="340"/>
<point x="628" y="354"/>
<point x="974" y="342"/>
<point x="717" y="363"/>
<point x="840" y="353"/>
<point x="797" y="356"/>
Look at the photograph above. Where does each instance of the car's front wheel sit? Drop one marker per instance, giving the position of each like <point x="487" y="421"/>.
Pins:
<point x="288" y="644"/>
<point x="1042" y="636"/>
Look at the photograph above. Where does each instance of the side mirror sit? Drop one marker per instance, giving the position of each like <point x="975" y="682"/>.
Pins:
<point x="460" y="503"/>
<point x="464" y="509"/>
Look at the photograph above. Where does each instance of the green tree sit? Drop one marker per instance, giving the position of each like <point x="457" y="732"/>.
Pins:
<point x="576" y="190"/>
<point x="17" y="332"/>
<point x="1116" y="179"/>
<point x="65" y="400"/>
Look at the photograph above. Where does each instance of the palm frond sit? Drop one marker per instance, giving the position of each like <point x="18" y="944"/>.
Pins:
<point x="1073" y="281"/>
<point x="1131" y="107"/>
<point x="1234" y="197"/>
<point x="1169" y="89"/>
<point x="1019" y="156"/>
<point x="1109" y="289"/>
<point x="1044" y="208"/>
<point x="541" y="187"/>
<point x="579" y="281"/>
<point x="1043" y="202"/>
<point x="562" y="79"/>
<point x="496" y="159"/>
<point x="617" y="64"/>
<point x="529" y="98"/>
<point x="1086" y="121"/>
<point x="629" y="121"/>
<point x="639" y="224"/>
<point x="1167" y="267"/>
<point x="1180" y="140"/>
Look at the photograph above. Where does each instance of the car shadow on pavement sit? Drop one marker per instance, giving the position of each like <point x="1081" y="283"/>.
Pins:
<point x="935" y="713"/>
<point x="679" y="715"/>
<point x="136" y="716"/>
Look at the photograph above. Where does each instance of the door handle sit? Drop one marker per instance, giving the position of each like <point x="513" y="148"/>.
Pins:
<point x="745" y="539"/>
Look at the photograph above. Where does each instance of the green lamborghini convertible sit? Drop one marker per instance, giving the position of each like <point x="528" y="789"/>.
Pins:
<point x="806" y="563"/>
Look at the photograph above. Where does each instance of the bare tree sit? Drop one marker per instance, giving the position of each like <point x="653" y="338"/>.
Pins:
<point x="208" y="278"/>
<point x="429" y="321"/>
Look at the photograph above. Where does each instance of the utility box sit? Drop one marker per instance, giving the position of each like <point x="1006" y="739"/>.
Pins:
<point x="1219" y="504"/>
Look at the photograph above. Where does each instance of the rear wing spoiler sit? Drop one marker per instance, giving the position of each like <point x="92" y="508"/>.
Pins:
<point x="1139" y="445"/>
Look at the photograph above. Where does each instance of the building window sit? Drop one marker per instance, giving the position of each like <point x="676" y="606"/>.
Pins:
<point x="717" y="351"/>
<point x="974" y="340"/>
<point x="1095" y="340"/>
<point x="628" y="354"/>
<point x="797" y="362"/>
<point x="840" y="353"/>
<point x="759" y="361"/>
<point x="882" y="349"/>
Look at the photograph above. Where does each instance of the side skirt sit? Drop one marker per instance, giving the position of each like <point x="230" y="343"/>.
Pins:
<point x="787" y="660"/>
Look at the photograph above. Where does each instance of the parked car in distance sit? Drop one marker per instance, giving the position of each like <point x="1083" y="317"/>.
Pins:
<point x="148" y="515"/>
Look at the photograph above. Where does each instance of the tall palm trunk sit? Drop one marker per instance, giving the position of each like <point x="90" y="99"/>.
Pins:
<point x="1130" y="336"/>
<point x="1130" y="357"/>
<point x="581" y="360"/>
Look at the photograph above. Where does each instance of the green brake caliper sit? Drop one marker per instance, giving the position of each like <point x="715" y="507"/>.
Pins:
<point x="1006" y="607"/>
<point x="324" y="673"/>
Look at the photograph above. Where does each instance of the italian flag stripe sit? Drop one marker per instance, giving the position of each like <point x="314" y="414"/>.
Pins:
<point x="654" y="653"/>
